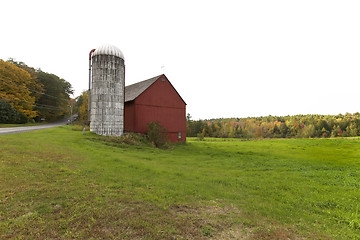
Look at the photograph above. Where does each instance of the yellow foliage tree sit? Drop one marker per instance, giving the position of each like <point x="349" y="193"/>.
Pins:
<point x="34" y="85"/>
<point x="83" y="107"/>
<point x="13" y="88"/>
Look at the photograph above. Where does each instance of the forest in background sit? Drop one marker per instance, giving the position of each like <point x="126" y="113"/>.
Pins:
<point x="298" y="126"/>
<point x="31" y="95"/>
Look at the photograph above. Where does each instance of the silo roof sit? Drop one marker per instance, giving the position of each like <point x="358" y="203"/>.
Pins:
<point x="109" y="49"/>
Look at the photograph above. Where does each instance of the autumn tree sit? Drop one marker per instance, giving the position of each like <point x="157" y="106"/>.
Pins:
<point x="14" y="83"/>
<point x="32" y="93"/>
<point x="82" y="107"/>
<point x="34" y="85"/>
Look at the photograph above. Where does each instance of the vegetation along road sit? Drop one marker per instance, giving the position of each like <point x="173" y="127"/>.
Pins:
<point x="11" y="130"/>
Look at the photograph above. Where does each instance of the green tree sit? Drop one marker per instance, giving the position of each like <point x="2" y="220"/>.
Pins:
<point x="284" y="130"/>
<point x="54" y="103"/>
<point x="355" y="128"/>
<point x="188" y="125"/>
<point x="8" y="114"/>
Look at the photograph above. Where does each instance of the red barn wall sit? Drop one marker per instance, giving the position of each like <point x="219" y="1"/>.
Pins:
<point x="168" y="117"/>
<point x="160" y="102"/>
<point x="129" y="117"/>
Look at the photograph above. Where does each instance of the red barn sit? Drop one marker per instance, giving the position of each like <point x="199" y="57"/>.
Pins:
<point x="155" y="100"/>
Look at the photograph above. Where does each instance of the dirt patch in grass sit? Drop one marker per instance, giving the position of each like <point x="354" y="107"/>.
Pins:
<point x="227" y="222"/>
<point x="243" y="232"/>
<point x="53" y="157"/>
<point x="276" y="233"/>
<point x="211" y="221"/>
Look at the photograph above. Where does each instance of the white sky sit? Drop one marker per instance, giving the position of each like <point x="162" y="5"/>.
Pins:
<point x="226" y="58"/>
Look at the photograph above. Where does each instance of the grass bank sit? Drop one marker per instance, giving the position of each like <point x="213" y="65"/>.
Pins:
<point x="7" y="125"/>
<point x="57" y="183"/>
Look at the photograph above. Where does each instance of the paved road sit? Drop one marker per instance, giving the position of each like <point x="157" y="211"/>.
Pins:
<point x="30" y="128"/>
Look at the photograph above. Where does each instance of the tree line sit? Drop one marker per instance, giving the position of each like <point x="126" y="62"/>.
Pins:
<point x="298" y="126"/>
<point x="29" y="95"/>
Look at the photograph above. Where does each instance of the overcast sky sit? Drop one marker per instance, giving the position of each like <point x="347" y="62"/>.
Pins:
<point x="225" y="58"/>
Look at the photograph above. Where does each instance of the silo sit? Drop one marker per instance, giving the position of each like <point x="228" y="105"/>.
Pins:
<point x="107" y="91"/>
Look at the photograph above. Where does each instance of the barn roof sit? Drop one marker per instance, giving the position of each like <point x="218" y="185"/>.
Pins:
<point x="134" y="90"/>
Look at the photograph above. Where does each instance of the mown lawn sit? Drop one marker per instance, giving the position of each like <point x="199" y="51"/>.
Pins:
<point x="59" y="184"/>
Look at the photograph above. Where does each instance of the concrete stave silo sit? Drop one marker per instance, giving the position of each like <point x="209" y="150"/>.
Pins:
<point x="107" y="91"/>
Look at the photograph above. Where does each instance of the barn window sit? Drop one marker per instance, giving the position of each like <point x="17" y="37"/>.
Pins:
<point x="163" y="79"/>
<point x="179" y="135"/>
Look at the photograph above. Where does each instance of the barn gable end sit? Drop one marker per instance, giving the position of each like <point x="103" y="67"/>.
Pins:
<point x="154" y="100"/>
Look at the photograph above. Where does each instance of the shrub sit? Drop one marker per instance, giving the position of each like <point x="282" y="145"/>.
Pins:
<point x="79" y="127"/>
<point x="157" y="135"/>
<point x="8" y="114"/>
<point x="135" y="139"/>
<point x="200" y="137"/>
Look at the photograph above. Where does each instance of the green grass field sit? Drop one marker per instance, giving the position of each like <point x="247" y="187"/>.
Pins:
<point x="60" y="184"/>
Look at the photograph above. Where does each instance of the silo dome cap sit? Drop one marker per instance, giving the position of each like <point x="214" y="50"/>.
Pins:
<point x="109" y="49"/>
